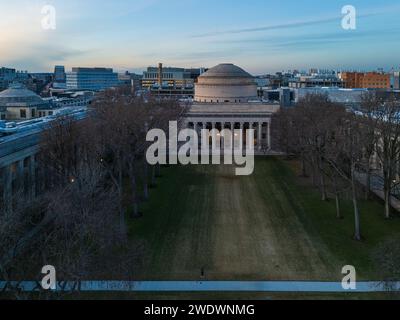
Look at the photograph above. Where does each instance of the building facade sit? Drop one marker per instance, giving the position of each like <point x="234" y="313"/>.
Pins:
<point x="94" y="79"/>
<point x="395" y="80"/>
<point x="369" y="80"/>
<point x="226" y="98"/>
<point x="18" y="103"/>
<point x="170" y="77"/>
<point x="316" y="81"/>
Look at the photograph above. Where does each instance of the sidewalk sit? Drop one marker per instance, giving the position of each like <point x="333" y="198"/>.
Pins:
<point x="211" y="286"/>
<point x="377" y="188"/>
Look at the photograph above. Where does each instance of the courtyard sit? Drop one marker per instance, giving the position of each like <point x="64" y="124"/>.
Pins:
<point x="203" y="222"/>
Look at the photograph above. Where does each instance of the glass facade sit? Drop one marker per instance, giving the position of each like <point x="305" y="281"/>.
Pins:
<point x="94" y="79"/>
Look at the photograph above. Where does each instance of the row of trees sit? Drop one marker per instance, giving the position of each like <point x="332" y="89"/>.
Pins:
<point x="93" y="178"/>
<point x="336" y="145"/>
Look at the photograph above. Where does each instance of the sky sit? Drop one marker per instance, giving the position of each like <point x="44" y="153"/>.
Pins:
<point x="261" y="36"/>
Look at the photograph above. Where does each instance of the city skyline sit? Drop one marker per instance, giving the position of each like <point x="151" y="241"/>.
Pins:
<point x="262" y="36"/>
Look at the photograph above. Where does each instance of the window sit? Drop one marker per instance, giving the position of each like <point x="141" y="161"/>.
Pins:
<point x="33" y="113"/>
<point x="22" y="113"/>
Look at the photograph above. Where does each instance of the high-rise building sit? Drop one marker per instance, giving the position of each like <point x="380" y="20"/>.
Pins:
<point x="59" y="74"/>
<point x="94" y="79"/>
<point x="369" y="80"/>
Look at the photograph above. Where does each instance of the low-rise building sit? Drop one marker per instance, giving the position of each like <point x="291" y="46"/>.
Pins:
<point x="369" y="80"/>
<point x="19" y="103"/>
<point x="171" y="81"/>
<point x="315" y="81"/>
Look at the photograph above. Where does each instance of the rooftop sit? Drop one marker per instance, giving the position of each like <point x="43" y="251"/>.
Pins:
<point x="226" y="70"/>
<point x="18" y="93"/>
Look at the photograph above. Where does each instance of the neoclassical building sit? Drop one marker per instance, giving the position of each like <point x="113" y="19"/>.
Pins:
<point x="17" y="103"/>
<point x="226" y="97"/>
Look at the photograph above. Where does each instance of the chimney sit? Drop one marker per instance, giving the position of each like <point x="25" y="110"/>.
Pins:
<point x="160" y="74"/>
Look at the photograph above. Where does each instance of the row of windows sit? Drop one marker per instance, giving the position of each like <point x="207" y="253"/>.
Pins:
<point x="23" y="114"/>
<point x="217" y="101"/>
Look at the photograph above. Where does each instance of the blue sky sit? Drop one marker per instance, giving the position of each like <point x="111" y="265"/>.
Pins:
<point x="259" y="35"/>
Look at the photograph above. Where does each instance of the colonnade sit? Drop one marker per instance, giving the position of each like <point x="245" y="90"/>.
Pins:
<point x="262" y="129"/>
<point x="17" y="179"/>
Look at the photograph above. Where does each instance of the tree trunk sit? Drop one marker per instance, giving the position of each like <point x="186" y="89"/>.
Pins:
<point x="387" y="183"/>
<point x="386" y="192"/>
<point x="337" y="200"/>
<point x="323" y="189"/>
<point x="368" y="181"/>
<point x="158" y="170"/>
<point x="120" y="203"/>
<point x="153" y="176"/>
<point x="135" y="198"/>
<point x="387" y="203"/>
<point x="322" y="181"/>
<point x="314" y="179"/>
<point x="357" y="232"/>
<point x="145" y="181"/>
<point x="303" y="166"/>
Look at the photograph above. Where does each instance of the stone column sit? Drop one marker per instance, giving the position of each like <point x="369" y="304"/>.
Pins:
<point x="20" y="175"/>
<point x="259" y="136"/>
<point x="243" y="133"/>
<point x="195" y="126"/>
<point x="269" y="135"/>
<point x="251" y="126"/>
<point x="7" y="191"/>
<point x="32" y="177"/>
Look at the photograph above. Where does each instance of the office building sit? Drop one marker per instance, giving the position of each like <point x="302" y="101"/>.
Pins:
<point x="170" y="80"/>
<point x="369" y="80"/>
<point x="94" y="79"/>
<point x="316" y="80"/>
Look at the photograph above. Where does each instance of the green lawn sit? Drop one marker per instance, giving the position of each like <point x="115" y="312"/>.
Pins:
<point x="266" y="226"/>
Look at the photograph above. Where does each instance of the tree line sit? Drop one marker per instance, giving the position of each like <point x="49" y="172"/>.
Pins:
<point x="93" y="177"/>
<point x="340" y="148"/>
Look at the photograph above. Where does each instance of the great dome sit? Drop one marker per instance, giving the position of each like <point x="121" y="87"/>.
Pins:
<point x="225" y="83"/>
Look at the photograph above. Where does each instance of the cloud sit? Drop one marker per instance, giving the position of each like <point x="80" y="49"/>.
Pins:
<point x="296" y="24"/>
<point x="267" y="28"/>
<point x="43" y="57"/>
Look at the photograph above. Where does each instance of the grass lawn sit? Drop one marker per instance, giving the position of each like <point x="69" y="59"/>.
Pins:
<point x="267" y="226"/>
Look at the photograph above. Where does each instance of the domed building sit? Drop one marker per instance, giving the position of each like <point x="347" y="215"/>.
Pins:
<point x="19" y="103"/>
<point x="225" y="83"/>
<point x="226" y="98"/>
